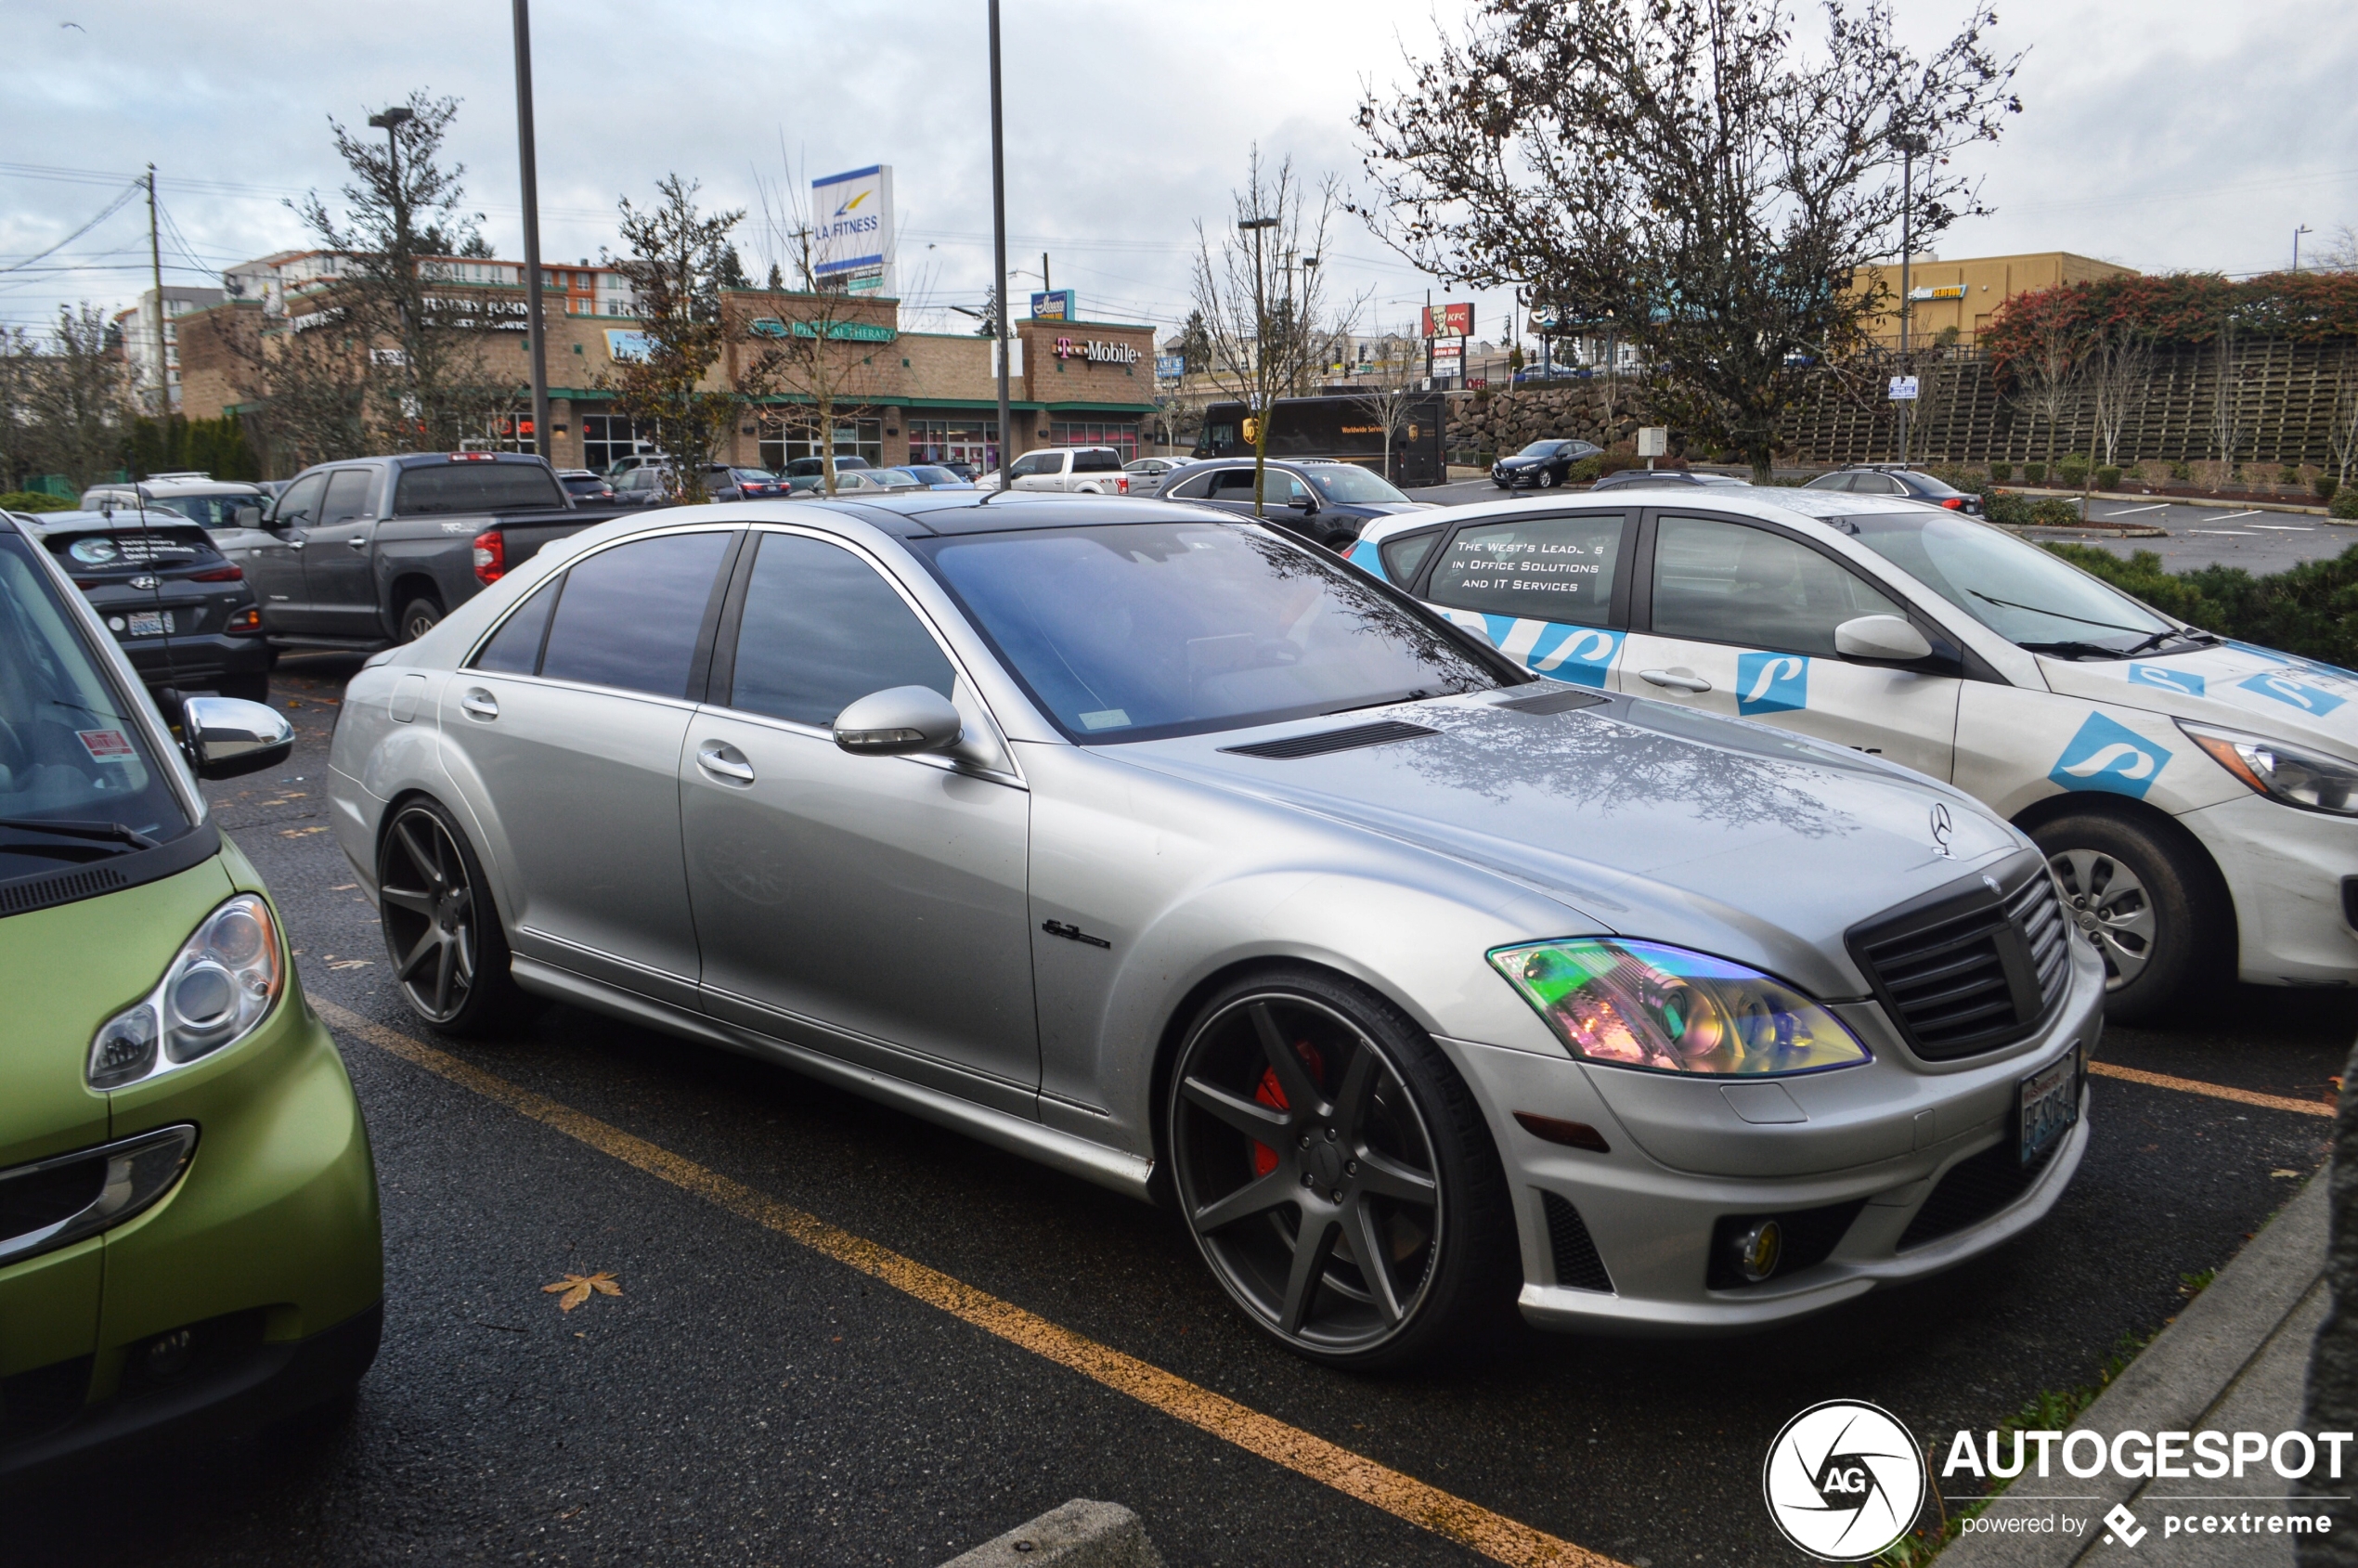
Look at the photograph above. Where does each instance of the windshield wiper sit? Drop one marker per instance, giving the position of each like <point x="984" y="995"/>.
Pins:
<point x="2164" y="634"/>
<point x="119" y="833"/>
<point x="2067" y="650"/>
<point x="2041" y="610"/>
<point x="1417" y="695"/>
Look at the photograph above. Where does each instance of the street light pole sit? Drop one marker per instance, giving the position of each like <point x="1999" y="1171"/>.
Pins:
<point x="999" y="251"/>
<point x="535" y="341"/>
<point x="391" y="121"/>
<point x="1254" y="225"/>
<point x="1907" y="150"/>
<point x="2296" y="233"/>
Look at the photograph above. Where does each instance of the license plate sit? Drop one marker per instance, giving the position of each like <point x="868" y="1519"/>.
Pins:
<point x="150" y="623"/>
<point x="2050" y="1105"/>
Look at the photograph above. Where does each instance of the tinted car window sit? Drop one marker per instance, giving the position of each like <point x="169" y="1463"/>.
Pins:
<point x="1549" y="568"/>
<point x="302" y="500"/>
<point x="1101" y="459"/>
<point x="1193" y="488"/>
<point x="821" y="629"/>
<point x="1876" y="485"/>
<point x="630" y="616"/>
<point x="1725" y="582"/>
<point x="348" y="495"/>
<point x="1037" y="462"/>
<point x="1354" y="486"/>
<point x="514" y="649"/>
<point x="474" y="486"/>
<point x="1403" y="555"/>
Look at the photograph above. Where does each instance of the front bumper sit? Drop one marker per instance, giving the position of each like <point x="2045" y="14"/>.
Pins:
<point x="2285" y="869"/>
<point x="1622" y="1242"/>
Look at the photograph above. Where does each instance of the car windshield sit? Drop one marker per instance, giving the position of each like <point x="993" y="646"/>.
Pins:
<point x="935" y="476"/>
<point x="2018" y="590"/>
<point x="70" y="752"/>
<point x="212" y="511"/>
<point x="1134" y="631"/>
<point x="1540" y="450"/>
<point x="1353" y="486"/>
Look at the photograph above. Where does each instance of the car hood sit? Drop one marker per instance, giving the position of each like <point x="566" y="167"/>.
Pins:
<point x="1645" y="819"/>
<point x="1518" y="460"/>
<point x="2233" y="685"/>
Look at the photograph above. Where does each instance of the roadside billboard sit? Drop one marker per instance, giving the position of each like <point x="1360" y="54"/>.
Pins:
<point x="1054" y="304"/>
<point x="1449" y="320"/>
<point x="851" y="219"/>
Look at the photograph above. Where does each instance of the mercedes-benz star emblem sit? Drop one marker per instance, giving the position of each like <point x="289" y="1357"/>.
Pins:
<point x="1941" y="828"/>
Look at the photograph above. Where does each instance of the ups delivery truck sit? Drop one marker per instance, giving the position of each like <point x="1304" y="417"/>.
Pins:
<point x="1344" y="428"/>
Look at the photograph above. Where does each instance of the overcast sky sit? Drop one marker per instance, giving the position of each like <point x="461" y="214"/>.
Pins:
<point x="2166" y="134"/>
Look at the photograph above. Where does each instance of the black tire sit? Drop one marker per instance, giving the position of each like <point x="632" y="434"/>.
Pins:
<point x="418" y="616"/>
<point x="441" y="926"/>
<point x="2152" y="907"/>
<point x="253" y="688"/>
<point x="1390" y="1147"/>
<point x="1547" y="477"/>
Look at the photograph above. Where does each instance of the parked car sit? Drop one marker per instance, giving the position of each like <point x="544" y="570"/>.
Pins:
<point x="584" y="485"/>
<point x="190" y="1245"/>
<point x="1146" y="473"/>
<point x="726" y="482"/>
<point x="2195" y="796"/>
<point x="648" y="485"/>
<point x="1330" y="502"/>
<point x="1627" y="477"/>
<point x="1875" y="480"/>
<point x="1542" y="465"/>
<point x="938" y="476"/>
<point x="810" y="474"/>
<point x="1423" y="985"/>
<point x="962" y="468"/>
<point x="645" y="457"/>
<point x="1080" y="471"/>
<point x="902" y="479"/>
<point x="377" y="550"/>
<point x="182" y="611"/>
<point x="229" y="511"/>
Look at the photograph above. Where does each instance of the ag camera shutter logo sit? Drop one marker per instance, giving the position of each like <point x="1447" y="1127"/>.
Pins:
<point x="1843" y="1480"/>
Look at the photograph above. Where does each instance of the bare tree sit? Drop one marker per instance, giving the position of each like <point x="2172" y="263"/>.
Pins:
<point x="1387" y="391"/>
<point x="1677" y="173"/>
<point x="2118" y="372"/>
<point x="1265" y="313"/>
<point x="2226" y="402"/>
<point x="2342" y="437"/>
<point x="2047" y="376"/>
<point x="2340" y="252"/>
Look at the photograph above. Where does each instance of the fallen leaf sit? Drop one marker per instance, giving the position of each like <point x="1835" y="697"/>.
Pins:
<point x="2294" y="1175"/>
<point x="576" y="1288"/>
<point x="344" y="887"/>
<point x="349" y="963"/>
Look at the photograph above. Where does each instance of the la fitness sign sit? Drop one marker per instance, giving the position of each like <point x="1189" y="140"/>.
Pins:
<point x="1098" y="353"/>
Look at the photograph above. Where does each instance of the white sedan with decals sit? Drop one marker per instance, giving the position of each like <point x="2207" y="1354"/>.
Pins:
<point x="2196" y="797"/>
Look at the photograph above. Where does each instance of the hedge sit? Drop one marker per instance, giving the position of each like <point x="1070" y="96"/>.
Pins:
<point x="2310" y="611"/>
<point x="35" y="501"/>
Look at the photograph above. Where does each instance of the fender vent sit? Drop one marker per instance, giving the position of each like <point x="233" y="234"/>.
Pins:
<point x="1577" y="1264"/>
<point x="59" y="887"/>
<point x="1552" y="702"/>
<point x="1358" y="736"/>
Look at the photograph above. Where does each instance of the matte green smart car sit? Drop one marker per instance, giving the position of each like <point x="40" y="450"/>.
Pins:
<point x="188" y="1225"/>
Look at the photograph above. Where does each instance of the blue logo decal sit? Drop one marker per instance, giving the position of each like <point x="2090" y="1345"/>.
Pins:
<point x="1581" y="654"/>
<point x="2185" y="682"/>
<point x="2109" y="757"/>
<point x="1365" y="555"/>
<point x="2293" y="693"/>
<point x="1771" y="682"/>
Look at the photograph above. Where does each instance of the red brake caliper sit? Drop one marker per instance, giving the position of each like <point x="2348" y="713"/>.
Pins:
<point x="1264" y="1159"/>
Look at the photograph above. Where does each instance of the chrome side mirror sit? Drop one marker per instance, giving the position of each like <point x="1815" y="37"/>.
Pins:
<point x="226" y="736"/>
<point x="1882" y="639"/>
<point x="897" y="722"/>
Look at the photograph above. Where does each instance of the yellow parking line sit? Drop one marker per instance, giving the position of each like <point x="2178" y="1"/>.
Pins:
<point x="1494" y="1536"/>
<point x="2216" y="1091"/>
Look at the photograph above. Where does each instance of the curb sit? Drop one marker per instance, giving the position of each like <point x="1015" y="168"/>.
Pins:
<point x="2252" y="1313"/>
<point x="1079" y="1534"/>
<point x="2182" y="501"/>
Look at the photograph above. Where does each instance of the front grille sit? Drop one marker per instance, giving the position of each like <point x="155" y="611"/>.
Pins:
<point x="1973" y="966"/>
<point x="1976" y="1188"/>
<point x="1577" y="1264"/>
<point x="1325" y="741"/>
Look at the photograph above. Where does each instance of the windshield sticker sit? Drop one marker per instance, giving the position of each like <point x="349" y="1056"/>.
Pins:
<point x="2293" y="693"/>
<point x="106" y="746"/>
<point x="2185" y="682"/>
<point x="1581" y="654"/>
<point x="2110" y="757"/>
<point x="1771" y="682"/>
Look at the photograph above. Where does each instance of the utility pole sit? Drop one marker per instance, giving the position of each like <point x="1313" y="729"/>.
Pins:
<point x="1906" y="255"/>
<point x="999" y="252"/>
<point x="1045" y="287"/>
<point x="390" y="123"/>
<point x="155" y="270"/>
<point x="2296" y="233"/>
<point x="1255" y="225"/>
<point x="536" y="342"/>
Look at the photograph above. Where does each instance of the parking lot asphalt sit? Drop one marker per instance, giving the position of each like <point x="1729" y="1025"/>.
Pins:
<point x="751" y="1397"/>
<point x="2260" y="540"/>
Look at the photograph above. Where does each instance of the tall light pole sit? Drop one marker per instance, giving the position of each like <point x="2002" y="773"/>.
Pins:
<point x="535" y="342"/>
<point x="999" y="252"/>
<point x="391" y="121"/>
<point x="1909" y="148"/>
<point x="1261" y="358"/>
<point x="2296" y="233"/>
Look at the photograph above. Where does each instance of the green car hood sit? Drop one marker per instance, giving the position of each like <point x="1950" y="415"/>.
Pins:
<point x="63" y="972"/>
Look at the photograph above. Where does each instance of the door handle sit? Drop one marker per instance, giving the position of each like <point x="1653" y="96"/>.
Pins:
<point x="718" y="757"/>
<point x="294" y="544"/>
<point x="1679" y="680"/>
<point x="480" y="702"/>
<point x="358" y="541"/>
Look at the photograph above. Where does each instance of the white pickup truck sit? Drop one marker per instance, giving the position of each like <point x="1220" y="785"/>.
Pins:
<point x="1077" y="470"/>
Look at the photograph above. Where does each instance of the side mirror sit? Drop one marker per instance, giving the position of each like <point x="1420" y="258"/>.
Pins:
<point x="1882" y="640"/>
<point x="246" y="517"/>
<point x="226" y="736"/>
<point x="898" y="721"/>
<point x="1307" y="506"/>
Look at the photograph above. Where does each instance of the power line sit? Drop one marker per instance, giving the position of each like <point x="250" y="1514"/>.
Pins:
<point x="112" y="209"/>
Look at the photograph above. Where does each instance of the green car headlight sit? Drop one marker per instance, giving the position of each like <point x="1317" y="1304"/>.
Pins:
<point x="1664" y="1009"/>
<point x="224" y="981"/>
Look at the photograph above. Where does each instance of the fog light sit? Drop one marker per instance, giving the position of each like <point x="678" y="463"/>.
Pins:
<point x="167" y="1355"/>
<point x="1758" y="1250"/>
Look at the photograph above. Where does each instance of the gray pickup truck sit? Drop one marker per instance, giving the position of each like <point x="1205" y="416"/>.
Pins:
<point x="376" y="550"/>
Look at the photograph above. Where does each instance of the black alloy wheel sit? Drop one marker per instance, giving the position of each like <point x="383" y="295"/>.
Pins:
<point x="441" y="929"/>
<point x="418" y="616"/>
<point x="1336" y="1174"/>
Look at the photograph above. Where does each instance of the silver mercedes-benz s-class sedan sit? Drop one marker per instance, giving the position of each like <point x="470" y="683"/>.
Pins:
<point x="1186" y="858"/>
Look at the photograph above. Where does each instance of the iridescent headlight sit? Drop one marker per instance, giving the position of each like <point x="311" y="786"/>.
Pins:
<point x="222" y="983"/>
<point x="1664" y="1009"/>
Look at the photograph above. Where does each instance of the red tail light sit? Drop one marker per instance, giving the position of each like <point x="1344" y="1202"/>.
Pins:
<point x="1954" y="502"/>
<point x="245" y="620"/>
<point x="1122" y="486"/>
<point x="228" y="573"/>
<point x="491" y="556"/>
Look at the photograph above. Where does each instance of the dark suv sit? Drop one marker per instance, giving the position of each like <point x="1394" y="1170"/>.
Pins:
<point x="182" y="611"/>
<point x="1866" y="480"/>
<point x="1326" y="502"/>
